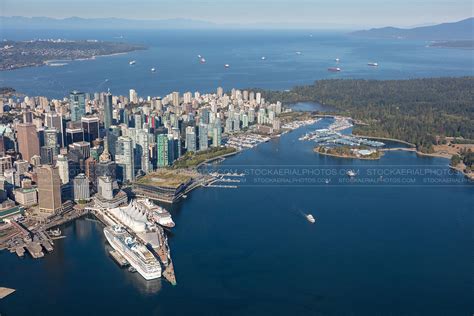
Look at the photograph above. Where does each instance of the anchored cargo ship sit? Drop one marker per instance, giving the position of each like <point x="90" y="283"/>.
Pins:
<point x="139" y="257"/>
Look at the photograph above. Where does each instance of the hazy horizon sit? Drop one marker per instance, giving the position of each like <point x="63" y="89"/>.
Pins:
<point x="277" y="13"/>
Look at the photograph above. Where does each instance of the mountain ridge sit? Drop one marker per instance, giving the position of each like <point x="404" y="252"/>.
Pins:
<point x="459" y="30"/>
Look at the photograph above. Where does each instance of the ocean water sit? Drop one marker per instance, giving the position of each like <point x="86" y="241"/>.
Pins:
<point x="396" y="240"/>
<point x="375" y="249"/>
<point x="174" y="55"/>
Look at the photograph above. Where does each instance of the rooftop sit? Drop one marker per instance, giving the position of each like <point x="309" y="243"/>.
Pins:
<point x="165" y="178"/>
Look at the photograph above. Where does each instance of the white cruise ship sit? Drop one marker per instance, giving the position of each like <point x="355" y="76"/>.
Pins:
<point x="134" y="252"/>
<point x="155" y="212"/>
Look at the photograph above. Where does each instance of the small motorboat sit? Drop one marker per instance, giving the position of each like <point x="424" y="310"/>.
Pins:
<point x="310" y="218"/>
<point x="351" y="173"/>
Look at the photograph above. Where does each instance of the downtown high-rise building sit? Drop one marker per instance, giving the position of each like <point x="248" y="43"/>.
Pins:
<point x="54" y="120"/>
<point x="105" y="187"/>
<point x="81" y="188"/>
<point x="133" y="96"/>
<point x="190" y="139"/>
<point x="175" y="98"/>
<point x="124" y="158"/>
<point x="63" y="168"/>
<point x="77" y="104"/>
<point x="220" y="92"/>
<point x="74" y="135"/>
<point x="203" y="137"/>
<point x="28" y="142"/>
<point x="162" y="150"/>
<point x="217" y="133"/>
<point x="108" y="109"/>
<point x="187" y="97"/>
<point x="90" y="126"/>
<point x="142" y="150"/>
<point x="51" y="140"/>
<point x="49" y="189"/>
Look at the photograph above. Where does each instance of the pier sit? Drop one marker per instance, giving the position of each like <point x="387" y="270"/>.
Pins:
<point x="35" y="250"/>
<point x="162" y="250"/>
<point x="118" y="258"/>
<point x="222" y="186"/>
<point x="4" y="292"/>
<point x="169" y="275"/>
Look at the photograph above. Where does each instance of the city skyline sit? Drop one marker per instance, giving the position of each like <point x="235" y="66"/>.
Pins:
<point x="260" y="13"/>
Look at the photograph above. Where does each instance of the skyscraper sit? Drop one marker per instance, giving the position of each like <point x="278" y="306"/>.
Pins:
<point x="142" y="150"/>
<point x="81" y="188"/>
<point x="190" y="139"/>
<point x="105" y="188"/>
<point x="46" y="155"/>
<point x="124" y="157"/>
<point x="133" y="96"/>
<point x="217" y="134"/>
<point x="51" y="140"/>
<point x="28" y="142"/>
<point x="49" y="189"/>
<point x="203" y="137"/>
<point x="77" y="105"/>
<point x="74" y="135"/>
<point x="175" y="97"/>
<point x="108" y="107"/>
<point x="162" y="150"/>
<point x="54" y="120"/>
<point x="90" y="125"/>
<point x="220" y="92"/>
<point x="63" y="168"/>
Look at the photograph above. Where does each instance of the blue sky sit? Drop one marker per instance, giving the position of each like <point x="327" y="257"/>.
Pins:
<point x="279" y="12"/>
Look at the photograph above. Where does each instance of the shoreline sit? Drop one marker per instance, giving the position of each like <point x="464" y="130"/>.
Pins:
<point x="66" y="60"/>
<point x="387" y="138"/>
<point x="315" y="150"/>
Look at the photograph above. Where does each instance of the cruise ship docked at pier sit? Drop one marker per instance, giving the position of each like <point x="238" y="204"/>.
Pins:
<point x="155" y="213"/>
<point x="134" y="252"/>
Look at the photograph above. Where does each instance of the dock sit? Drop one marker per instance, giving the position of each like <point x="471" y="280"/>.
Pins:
<point x="221" y="186"/>
<point x="35" y="250"/>
<point x="169" y="275"/>
<point x="47" y="245"/>
<point x="4" y="292"/>
<point x="20" y="251"/>
<point x="118" y="258"/>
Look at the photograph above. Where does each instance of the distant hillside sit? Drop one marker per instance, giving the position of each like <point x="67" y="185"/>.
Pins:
<point x="461" y="30"/>
<point x="20" y="22"/>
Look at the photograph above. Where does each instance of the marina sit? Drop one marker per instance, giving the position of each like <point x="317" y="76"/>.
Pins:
<point x="298" y="124"/>
<point x="246" y="141"/>
<point x="332" y="136"/>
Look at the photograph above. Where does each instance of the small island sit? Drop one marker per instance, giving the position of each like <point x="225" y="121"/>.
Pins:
<point x="21" y="54"/>
<point x="360" y="152"/>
